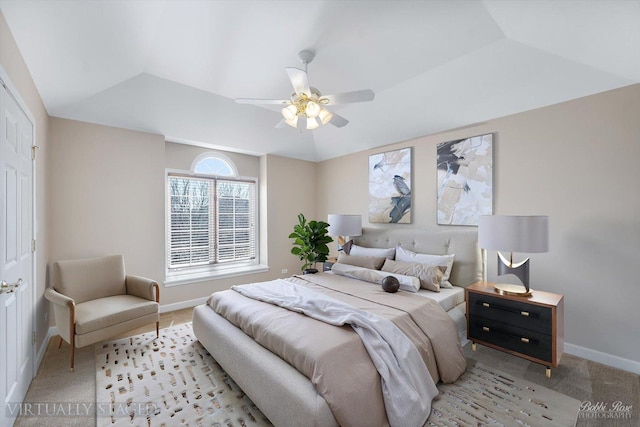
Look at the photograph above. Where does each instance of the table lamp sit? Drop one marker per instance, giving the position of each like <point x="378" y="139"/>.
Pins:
<point x="344" y="226"/>
<point x="510" y="233"/>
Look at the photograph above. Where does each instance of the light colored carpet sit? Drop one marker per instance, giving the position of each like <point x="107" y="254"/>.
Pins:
<point x="173" y="380"/>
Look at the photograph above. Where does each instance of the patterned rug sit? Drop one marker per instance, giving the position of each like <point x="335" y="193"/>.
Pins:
<point x="167" y="381"/>
<point x="173" y="380"/>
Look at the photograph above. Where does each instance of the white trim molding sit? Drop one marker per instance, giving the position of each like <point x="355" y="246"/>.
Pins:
<point x="182" y="304"/>
<point x="604" y="358"/>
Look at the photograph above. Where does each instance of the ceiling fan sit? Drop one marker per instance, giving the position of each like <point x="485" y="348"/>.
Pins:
<point x="306" y="108"/>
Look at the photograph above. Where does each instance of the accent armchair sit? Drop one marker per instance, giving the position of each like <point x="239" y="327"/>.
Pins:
<point x="93" y="299"/>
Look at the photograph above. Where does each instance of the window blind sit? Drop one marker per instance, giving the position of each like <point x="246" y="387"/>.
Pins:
<point x="211" y="221"/>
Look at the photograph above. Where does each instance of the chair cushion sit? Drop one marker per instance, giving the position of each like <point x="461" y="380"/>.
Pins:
<point x="92" y="278"/>
<point x="99" y="314"/>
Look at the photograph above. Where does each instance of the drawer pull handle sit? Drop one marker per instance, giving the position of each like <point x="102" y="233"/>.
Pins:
<point x="485" y="304"/>
<point x="525" y="313"/>
<point x="485" y="329"/>
<point x="525" y="340"/>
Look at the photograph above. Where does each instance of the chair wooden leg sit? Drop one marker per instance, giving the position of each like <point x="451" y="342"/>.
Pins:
<point x="73" y="347"/>
<point x="60" y="343"/>
<point x="157" y="329"/>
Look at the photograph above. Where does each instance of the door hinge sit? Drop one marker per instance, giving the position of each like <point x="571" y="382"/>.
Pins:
<point x="33" y="245"/>
<point x="33" y="337"/>
<point x="34" y="148"/>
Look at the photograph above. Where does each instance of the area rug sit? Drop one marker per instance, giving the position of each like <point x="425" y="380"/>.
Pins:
<point x="167" y="381"/>
<point x="484" y="396"/>
<point x="173" y="380"/>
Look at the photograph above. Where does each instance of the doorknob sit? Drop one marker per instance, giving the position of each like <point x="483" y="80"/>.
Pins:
<point x="9" y="287"/>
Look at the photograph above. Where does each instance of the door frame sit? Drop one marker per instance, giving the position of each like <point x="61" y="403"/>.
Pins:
<point x="5" y="81"/>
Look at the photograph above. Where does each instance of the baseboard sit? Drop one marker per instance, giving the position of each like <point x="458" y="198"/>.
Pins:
<point x="604" y="358"/>
<point x="183" y="304"/>
<point x="51" y="332"/>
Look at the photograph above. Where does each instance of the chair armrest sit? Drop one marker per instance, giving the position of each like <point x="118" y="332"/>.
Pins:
<point x="143" y="288"/>
<point x="64" y="311"/>
<point x="57" y="298"/>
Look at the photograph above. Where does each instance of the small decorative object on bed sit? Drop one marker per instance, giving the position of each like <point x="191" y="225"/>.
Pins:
<point x="390" y="187"/>
<point x="310" y="243"/>
<point x="465" y="180"/>
<point x="390" y="284"/>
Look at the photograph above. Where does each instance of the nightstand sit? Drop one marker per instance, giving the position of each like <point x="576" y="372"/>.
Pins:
<point x="530" y="327"/>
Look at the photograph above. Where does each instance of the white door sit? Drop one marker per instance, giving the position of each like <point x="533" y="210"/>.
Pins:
<point x="16" y="256"/>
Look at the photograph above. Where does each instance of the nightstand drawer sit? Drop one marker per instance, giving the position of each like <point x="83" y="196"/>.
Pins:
<point x="523" y="341"/>
<point x="515" y="313"/>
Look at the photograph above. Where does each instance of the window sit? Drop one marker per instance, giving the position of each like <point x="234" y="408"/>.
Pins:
<point x="212" y="217"/>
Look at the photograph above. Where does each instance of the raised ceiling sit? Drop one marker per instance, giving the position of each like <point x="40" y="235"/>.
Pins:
<point x="175" y="67"/>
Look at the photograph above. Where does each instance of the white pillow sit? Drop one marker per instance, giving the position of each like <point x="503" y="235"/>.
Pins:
<point x="362" y="251"/>
<point x="406" y="255"/>
<point x="407" y="283"/>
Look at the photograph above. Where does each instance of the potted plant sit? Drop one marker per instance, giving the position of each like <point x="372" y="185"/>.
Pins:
<point x="310" y="243"/>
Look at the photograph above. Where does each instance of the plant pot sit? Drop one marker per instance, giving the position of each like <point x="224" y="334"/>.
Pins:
<point x="310" y="271"/>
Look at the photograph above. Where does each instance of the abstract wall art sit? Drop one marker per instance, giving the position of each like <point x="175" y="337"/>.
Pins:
<point x="465" y="180"/>
<point x="390" y="187"/>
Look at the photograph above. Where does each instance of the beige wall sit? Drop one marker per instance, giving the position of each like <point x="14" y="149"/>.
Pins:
<point x="576" y="162"/>
<point x="108" y="196"/>
<point x="14" y="66"/>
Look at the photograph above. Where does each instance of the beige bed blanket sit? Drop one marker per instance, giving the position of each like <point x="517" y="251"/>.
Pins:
<point x="334" y="358"/>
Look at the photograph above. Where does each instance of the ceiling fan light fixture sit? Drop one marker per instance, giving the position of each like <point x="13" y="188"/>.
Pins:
<point x="290" y="113"/>
<point x="312" y="110"/>
<point x="312" y="123"/>
<point x="325" y="115"/>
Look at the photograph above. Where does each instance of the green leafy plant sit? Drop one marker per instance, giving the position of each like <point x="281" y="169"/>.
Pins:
<point x="311" y="240"/>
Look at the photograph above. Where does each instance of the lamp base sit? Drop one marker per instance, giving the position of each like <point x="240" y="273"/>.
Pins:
<point x="508" y="289"/>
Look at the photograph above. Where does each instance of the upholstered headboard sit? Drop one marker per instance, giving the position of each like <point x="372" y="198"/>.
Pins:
<point x="468" y="265"/>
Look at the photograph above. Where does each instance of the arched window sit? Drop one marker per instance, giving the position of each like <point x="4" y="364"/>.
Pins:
<point x="212" y="217"/>
<point x="214" y="164"/>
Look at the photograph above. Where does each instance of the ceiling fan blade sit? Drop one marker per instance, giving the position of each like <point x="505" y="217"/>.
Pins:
<point x="299" y="80"/>
<point x="338" y="121"/>
<point x="281" y="124"/>
<point x="348" y="97"/>
<point x="261" y="101"/>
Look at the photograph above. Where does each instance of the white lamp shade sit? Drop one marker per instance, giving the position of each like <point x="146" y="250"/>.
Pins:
<point x="344" y="225"/>
<point x="509" y="233"/>
<point x="325" y="116"/>
<point x="312" y="110"/>
<point x="289" y="113"/>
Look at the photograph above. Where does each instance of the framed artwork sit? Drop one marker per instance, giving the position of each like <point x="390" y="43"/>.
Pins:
<point x="465" y="180"/>
<point x="390" y="187"/>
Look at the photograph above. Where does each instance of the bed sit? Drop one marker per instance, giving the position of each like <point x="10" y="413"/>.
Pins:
<point x="285" y="395"/>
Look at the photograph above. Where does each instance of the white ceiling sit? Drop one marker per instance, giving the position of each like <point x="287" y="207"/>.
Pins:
<point x="175" y="67"/>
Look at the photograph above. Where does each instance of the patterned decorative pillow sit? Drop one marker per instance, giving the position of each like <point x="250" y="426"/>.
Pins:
<point x="406" y="255"/>
<point x="429" y="275"/>
<point x="372" y="262"/>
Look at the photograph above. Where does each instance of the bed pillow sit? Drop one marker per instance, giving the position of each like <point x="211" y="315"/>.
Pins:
<point x="407" y="283"/>
<point x="362" y="251"/>
<point x="372" y="262"/>
<point x="406" y="255"/>
<point x="429" y="275"/>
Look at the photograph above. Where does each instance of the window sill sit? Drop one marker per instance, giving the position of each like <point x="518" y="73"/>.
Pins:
<point x="178" y="279"/>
